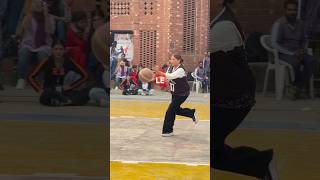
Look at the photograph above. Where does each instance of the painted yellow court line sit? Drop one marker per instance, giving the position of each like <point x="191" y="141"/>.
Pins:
<point x="153" y="109"/>
<point x="158" y="171"/>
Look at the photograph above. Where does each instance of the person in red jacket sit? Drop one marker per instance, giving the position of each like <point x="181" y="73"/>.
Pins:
<point x="134" y="74"/>
<point x="77" y="38"/>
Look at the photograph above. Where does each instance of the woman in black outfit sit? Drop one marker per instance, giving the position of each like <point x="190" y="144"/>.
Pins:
<point x="232" y="97"/>
<point x="180" y="91"/>
<point x="61" y="76"/>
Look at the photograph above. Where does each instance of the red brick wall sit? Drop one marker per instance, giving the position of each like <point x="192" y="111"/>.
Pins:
<point x="167" y="20"/>
<point x="255" y="15"/>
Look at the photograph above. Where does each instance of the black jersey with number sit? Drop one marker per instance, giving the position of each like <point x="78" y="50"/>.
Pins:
<point x="179" y="86"/>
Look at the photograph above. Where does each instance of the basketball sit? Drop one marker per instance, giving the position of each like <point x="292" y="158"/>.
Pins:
<point x="146" y="75"/>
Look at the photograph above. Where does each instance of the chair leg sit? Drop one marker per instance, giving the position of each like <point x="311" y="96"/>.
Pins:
<point x="197" y="86"/>
<point x="280" y="75"/>
<point x="265" y="84"/>
<point x="311" y="88"/>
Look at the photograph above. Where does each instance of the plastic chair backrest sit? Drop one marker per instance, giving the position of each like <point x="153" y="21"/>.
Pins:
<point x="194" y="76"/>
<point x="267" y="44"/>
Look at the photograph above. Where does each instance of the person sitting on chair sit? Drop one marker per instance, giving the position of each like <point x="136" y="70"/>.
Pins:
<point x="289" y="38"/>
<point x="201" y="75"/>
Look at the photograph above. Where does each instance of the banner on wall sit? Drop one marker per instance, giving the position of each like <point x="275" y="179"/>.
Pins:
<point x="124" y="43"/>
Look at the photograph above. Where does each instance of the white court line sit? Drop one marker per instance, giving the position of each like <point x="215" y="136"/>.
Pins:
<point x="160" y="162"/>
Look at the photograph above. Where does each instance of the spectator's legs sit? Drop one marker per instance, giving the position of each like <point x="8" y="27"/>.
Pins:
<point x="113" y="66"/>
<point x="309" y="67"/>
<point x="119" y="81"/>
<point x="296" y="64"/>
<point x="61" y="31"/>
<point x="92" y="63"/>
<point x="24" y="56"/>
<point x="42" y="55"/>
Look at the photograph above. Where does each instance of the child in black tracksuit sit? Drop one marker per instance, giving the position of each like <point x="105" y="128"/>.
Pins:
<point x="180" y="91"/>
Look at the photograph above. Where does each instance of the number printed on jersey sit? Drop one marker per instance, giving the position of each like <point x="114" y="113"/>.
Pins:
<point x="172" y="87"/>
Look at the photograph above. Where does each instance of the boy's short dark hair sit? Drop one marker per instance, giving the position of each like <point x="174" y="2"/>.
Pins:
<point x="287" y="2"/>
<point x="225" y="2"/>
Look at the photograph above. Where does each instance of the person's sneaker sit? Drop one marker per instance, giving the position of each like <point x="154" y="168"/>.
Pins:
<point x="194" y="118"/>
<point x="21" y="84"/>
<point x="167" y="134"/>
<point x="272" y="173"/>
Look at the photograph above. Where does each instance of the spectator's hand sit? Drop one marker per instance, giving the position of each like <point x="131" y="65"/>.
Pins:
<point x="66" y="87"/>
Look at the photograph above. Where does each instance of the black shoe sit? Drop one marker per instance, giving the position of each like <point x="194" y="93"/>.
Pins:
<point x="1" y="87"/>
<point x="194" y="117"/>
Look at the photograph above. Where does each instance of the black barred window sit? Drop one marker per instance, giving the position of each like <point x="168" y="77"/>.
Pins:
<point x="148" y="7"/>
<point x="120" y="7"/>
<point x="189" y="26"/>
<point x="148" y="48"/>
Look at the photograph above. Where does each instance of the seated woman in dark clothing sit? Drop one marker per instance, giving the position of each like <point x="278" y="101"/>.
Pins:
<point x="61" y="76"/>
<point x="129" y="86"/>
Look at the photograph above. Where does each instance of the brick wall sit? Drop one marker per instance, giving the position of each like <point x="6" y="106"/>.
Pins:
<point x="255" y="15"/>
<point x="167" y="19"/>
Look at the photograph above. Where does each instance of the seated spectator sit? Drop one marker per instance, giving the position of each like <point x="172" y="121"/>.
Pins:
<point x="61" y="76"/>
<point x="134" y="74"/>
<point x="129" y="87"/>
<point x="201" y="76"/>
<point x="120" y="73"/>
<point x="114" y="53"/>
<point x="126" y="61"/>
<point x="145" y="89"/>
<point x="289" y="38"/>
<point x="37" y="29"/>
<point x="77" y="38"/>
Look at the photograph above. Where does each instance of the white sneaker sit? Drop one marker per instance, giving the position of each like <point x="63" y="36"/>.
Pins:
<point x="273" y="170"/>
<point x="21" y="84"/>
<point x="167" y="134"/>
<point x="272" y="173"/>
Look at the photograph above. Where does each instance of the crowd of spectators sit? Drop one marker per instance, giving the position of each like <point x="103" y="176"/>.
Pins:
<point x="51" y="42"/>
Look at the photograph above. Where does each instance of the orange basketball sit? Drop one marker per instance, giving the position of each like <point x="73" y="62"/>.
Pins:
<point x="146" y="75"/>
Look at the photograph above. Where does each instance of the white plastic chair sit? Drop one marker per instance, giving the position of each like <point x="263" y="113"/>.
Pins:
<point x="280" y="67"/>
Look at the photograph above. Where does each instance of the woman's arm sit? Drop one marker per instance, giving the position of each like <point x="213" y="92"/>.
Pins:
<point x="179" y="73"/>
<point x="32" y="77"/>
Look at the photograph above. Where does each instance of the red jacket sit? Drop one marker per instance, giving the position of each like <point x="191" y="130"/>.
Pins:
<point x="76" y="48"/>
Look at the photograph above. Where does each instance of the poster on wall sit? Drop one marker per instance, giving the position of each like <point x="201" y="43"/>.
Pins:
<point x="124" y="43"/>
